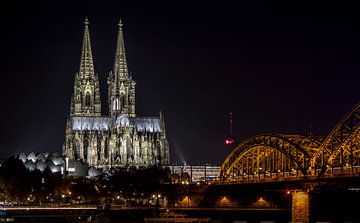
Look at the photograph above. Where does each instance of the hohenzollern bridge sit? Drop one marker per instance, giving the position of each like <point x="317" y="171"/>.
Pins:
<point x="275" y="157"/>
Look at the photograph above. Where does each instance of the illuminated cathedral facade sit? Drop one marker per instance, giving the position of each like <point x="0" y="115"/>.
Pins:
<point x="120" y="137"/>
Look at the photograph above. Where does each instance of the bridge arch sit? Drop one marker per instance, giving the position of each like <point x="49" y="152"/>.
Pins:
<point x="267" y="155"/>
<point x="338" y="146"/>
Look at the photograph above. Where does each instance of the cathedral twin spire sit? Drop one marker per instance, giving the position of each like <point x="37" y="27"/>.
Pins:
<point x="86" y="62"/>
<point x="121" y="85"/>
<point x="86" y="98"/>
<point x="103" y="140"/>
<point x="120" y="65"/>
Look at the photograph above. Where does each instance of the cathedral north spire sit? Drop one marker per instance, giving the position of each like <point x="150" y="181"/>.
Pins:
<point x="86" y="98"/>
<point x="86" y="63"/>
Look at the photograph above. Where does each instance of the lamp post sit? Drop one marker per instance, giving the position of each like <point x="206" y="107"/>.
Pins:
<point x="156" y="196"/>
<point x="186" y="184"/>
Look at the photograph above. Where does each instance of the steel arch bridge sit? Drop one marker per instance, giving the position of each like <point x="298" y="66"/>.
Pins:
<point x="280" y="156"/>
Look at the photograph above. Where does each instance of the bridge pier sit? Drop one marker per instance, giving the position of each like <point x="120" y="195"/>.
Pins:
<point x="300" y="206"/>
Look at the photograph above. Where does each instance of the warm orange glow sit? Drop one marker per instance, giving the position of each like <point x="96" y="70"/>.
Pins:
<point x="224" y="202"/>
<point x="300" y="197"/>
<point x="186" y="202"/>
<point x="261" y="203"/>
<point x="300" y="206"/>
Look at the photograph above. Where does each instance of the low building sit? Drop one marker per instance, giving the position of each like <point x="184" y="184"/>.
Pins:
<point x="195" y="173"/>
<point x="55" y="162"/>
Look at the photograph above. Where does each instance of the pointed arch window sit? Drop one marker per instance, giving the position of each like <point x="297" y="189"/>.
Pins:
<point x="106" y="151"/>
<point x="86" y="148"/>
<point x="116" y="105"/>
<point x="87" y="99"/>
<point x="99" y="139"/>
<point x="158" y="151"/>
<point x="122" y="99"/>
<point x="76" y="149"/>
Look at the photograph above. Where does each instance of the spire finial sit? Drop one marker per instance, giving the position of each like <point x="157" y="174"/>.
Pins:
<point x="120" y="24"/>
<point x="86" y="22"/>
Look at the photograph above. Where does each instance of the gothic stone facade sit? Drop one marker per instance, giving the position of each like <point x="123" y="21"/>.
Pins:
<point x="119" y="138"/>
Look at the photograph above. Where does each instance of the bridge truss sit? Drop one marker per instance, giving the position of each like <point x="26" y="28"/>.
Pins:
<point x="296" y="156"/>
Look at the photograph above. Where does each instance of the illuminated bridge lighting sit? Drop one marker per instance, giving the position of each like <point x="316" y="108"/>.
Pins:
<point x="289" y="156"/>
<point x="49" y="208"/>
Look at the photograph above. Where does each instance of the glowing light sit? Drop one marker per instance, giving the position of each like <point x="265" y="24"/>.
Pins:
<point x="57" y="208"/>
<point x="229" y="141"/>
<point x="224" y="201"/>
<point x="261" y="202"/>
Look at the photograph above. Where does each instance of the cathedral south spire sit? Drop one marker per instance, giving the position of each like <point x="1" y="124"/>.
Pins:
<point x="86" y="63"/>
<point x="120" y="65"/>
<point x="121" y="86"/>
<point x="86" y="98"/>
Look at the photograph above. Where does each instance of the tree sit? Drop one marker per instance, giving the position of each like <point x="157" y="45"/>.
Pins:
<point x="16" y="179"/>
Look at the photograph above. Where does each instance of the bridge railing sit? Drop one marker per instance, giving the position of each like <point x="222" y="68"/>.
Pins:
<point x="267" y="178"/>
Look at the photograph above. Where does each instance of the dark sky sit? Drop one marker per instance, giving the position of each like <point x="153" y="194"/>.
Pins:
<point x="278" y="67"/>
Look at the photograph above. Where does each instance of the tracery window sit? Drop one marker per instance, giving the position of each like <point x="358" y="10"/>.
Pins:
<point x="99" y="147"/>
<point x="86" y="148"/>
<point x="76" y="149"/>
<point x="87" y="99"/>
<point x="116" y="104"/>
<point x="106" y="151"/>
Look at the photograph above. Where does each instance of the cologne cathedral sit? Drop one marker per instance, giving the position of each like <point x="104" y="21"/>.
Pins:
<point x="120" y="137"/>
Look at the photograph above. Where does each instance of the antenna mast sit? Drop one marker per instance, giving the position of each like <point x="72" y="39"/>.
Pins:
<point x="230" y="122"/>
<point x="230" y="140"/>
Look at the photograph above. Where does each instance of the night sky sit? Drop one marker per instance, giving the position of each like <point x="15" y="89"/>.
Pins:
<point x="278" y="67"/>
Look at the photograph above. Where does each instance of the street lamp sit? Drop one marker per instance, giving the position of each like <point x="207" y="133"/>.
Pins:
<point x="157" y="200"/>
<point x="186" y="184"/>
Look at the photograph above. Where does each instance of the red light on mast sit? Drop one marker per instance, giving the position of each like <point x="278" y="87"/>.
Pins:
<point x="229" y="140"/>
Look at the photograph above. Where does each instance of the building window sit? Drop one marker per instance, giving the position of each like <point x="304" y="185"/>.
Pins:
<point x="87" y="99"/>
<point x="99" y="147"/>
<point x="86" y="148"/>
<point x="122" y="100"/>
<point x="106" y="151"/>
<point x="76" y="148"/>
<point x="116" y="104"/>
